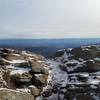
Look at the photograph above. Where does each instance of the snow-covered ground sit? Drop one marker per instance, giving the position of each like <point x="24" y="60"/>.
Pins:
<point x="56" y="76"/>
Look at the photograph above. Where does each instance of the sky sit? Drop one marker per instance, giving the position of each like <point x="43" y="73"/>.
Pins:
<point x="49" y="18"/>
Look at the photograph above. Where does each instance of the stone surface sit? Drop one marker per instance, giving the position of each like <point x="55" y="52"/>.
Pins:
<point x="23" y="78"/>
<point x="35" y="91"/>
<point x="17" y="69"/>
<point x="6" y="94"/>
<point x="40" y="80"/>
<point x="38" y="68"/>
<point x="77" y="73"/>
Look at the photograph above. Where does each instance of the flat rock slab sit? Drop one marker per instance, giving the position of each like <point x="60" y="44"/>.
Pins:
<point x="7" y="94"/>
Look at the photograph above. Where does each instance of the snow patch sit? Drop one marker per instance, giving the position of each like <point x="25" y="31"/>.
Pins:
<point x="18" y="70"/>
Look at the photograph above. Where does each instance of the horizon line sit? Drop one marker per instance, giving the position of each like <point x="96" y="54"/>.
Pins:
<point x="49" y="38"/>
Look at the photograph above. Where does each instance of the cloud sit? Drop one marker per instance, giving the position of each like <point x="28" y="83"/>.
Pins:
<point x="49" y="18"/>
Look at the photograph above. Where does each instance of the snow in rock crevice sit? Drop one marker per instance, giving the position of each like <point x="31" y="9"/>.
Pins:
<point x="56" y="76"/>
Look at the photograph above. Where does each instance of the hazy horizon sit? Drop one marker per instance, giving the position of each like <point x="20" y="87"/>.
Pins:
<point x="49" y="38"/>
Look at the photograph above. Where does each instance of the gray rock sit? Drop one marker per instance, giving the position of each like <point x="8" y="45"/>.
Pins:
<point x="40" y="80"/>
<point x="24" y="78"/>
<point x="6" y="94"/>
<point x="35" y="91"/>
<point x="39" y="68"/>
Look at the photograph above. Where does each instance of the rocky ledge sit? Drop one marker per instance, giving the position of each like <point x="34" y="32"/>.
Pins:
<point x="23" y="75"/>
<point x="74" y="74"/>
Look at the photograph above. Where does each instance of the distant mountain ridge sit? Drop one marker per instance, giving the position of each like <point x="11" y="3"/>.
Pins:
<point x="50" y="42"/>
<point x="44" y="46"/>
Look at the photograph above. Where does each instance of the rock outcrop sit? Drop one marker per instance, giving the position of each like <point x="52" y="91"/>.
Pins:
<point x="75" y="74"/>
<point x="72" y="74"/>
<point x="7" y="94"/>
<point x="24" y="73"/>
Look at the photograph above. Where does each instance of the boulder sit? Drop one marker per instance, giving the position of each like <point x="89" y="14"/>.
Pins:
<point x="82" y="78"/>
<point x="19" y="71"/>
<point x="47" y="93"/>
<point x="98" y="53"/>
<point x="79" y="53"/>
<point x="40" y="79"/>
<point x="35" y="91"/>
<point x="84" y="53"/>
<point x="6" y="94"/>
<point x="88" y="66"/>
<point x="38" y="68"/>
<point x="92" y="65"/>
<point x="22" y="78"/>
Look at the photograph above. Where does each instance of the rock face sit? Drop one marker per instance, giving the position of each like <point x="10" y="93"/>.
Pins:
<point x="6" y="94"/>
<point x="23" y="78"/>
<point x="38" y="68"/>
<point x="83" y="59"/>
<point x="19" y="71"/>
<point x="40" y="80"/>
<point x="75" y="74"/>
<point x="83" y="67"/>
<point x="35" y="91"/>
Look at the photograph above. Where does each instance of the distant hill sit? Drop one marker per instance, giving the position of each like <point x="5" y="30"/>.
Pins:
<point x="46" y="46"/>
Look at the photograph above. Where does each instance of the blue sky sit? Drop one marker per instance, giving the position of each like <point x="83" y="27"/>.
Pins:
<point x="49" y="18"/>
